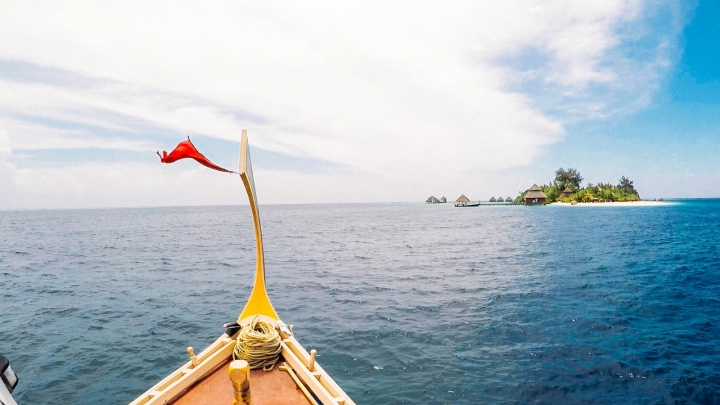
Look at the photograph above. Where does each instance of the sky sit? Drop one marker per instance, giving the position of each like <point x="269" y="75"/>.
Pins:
<point x="354" y="101"/>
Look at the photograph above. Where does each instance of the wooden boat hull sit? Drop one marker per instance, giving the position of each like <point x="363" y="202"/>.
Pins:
<point x="470" y="204"/>
<point x="268" y="388"/>
<point x="213" y="361"/>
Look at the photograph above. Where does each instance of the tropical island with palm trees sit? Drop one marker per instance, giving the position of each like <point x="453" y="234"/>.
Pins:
<point x="566" y="188"/>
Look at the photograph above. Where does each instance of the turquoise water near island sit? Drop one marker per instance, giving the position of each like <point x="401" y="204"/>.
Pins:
<point x="405" y="303"/>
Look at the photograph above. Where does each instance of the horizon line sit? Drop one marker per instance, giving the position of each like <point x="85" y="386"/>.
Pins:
<point x="261" y="204"/>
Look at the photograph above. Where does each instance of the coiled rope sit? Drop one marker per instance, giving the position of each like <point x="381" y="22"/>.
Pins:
<point x="258" y="343"/>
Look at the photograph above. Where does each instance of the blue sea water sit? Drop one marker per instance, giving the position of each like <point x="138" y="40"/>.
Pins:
<point x="407" y="303"/>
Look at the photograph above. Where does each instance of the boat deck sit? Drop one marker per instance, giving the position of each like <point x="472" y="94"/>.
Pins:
<point x="274" y="387"/>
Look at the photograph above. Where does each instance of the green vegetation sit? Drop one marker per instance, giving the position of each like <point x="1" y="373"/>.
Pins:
<point x="567" y="178"/>
<point x="601" y="192"/>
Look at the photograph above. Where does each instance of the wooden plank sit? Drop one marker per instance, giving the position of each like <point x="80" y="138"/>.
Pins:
<point x="326" y="380"/>
<point x="187" y="375"/>
<point x="303" y="373"/>
<point x="318" y="381"/>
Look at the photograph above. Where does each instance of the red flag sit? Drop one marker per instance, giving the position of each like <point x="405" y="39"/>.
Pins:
<point x="186" y="149"/>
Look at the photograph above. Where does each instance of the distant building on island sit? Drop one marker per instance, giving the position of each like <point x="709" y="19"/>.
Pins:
<point x="433" y="200"/>
<point x="566" y="193"/>
<point x="535" y="196"/>
<point x="462" y="200"/>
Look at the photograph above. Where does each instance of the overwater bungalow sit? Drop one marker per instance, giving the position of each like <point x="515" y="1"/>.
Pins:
<point x="500" y="199"/>
<point x="443" y="200"/>
<point x="508" y="200"/>
<point x="463" y="201"/>
<point x="535" y="196"/>
<point x="492" y="199"/>
<point x="432" y="200"/>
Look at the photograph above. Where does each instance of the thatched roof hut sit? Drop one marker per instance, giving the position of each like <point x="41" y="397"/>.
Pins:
<point x="432" y="200"/>
<point x="508" y="199"/>
<point x="566" y="193"/>
<point x="492" y="199"/>
<point x="535" y="196"/>
<point x="500" y="199"/>
<point x="462" y="200"/>
<point x="443" y="199"/>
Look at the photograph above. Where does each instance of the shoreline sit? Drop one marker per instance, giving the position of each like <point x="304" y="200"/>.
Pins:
<point x="615" y="204"/>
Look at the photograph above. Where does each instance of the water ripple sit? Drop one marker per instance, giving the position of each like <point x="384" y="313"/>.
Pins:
<point x="405" y="303"/>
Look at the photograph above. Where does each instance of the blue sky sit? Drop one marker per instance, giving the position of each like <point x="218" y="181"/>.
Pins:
<point x="353" y="102"/>
<point x="670" y="147"/>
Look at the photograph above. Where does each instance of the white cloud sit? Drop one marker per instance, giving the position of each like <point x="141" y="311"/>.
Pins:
<point x="35" y="136"/>
<point x="136" y="184"/>
<point x="395" y="90"/>
<point x="5" y="149"/>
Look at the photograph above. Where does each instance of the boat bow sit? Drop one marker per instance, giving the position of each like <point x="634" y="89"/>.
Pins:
<point x="259" y="301"/>
<point x="204" y="378"/>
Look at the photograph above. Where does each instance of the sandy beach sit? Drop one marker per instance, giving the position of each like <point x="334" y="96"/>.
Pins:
<point x="616" y="204"/>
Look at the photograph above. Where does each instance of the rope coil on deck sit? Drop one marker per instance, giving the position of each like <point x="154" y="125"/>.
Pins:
<point x="258" y="343"/>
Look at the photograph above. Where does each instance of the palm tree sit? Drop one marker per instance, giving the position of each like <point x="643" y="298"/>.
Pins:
<point x="626" y="185"/>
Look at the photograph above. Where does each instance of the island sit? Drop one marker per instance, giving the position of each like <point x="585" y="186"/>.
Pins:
<point x="566" y="187"/>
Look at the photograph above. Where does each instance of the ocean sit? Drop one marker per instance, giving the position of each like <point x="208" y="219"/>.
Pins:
<point x="405" y="303"/>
